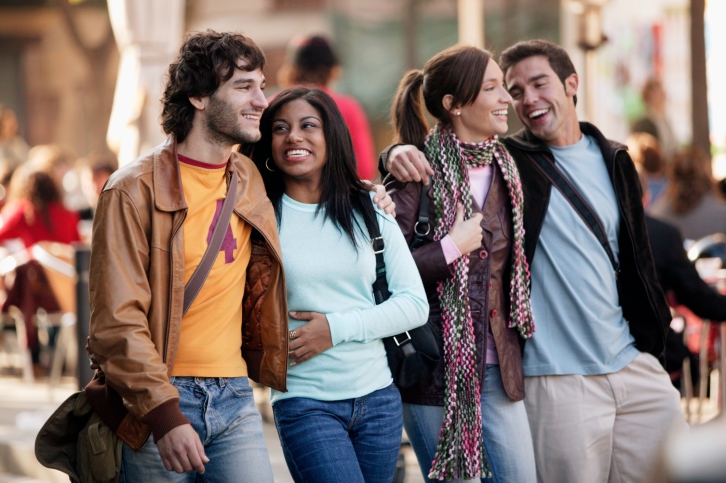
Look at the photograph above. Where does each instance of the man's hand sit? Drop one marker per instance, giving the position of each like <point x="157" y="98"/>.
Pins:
<point x="182" y="451"/>
<point x="91" y="356"/>
<point x="309" y="339"/>
<point x="406" y="163"/>
<point x="466" y="235"/>
<point x="382" y="199"/>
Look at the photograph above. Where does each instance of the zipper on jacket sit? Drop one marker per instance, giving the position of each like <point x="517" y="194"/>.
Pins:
<point x="171" y="284"/>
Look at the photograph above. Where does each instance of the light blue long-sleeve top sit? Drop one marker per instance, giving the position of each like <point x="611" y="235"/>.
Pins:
<point x="326" y="273"/>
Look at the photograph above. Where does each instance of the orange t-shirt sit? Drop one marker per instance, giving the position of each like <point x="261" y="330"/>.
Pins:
<point x="211" y="330"/>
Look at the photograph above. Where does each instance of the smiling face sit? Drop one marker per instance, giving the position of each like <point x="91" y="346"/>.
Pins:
<point x="232" y="113"/>
<point x="298" y="142"/>
<point x="543" y="104"/>
<point x="487" y="115"/>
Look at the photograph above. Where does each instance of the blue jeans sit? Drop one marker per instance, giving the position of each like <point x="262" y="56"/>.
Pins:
<point x="505" y="429"/>
<point x="222" y="411"/>
<point x="353" y="440"/>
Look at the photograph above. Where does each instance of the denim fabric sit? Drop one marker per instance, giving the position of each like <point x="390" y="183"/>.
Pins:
<point x="222" y="411"/>
<point x="352" y="440"/>
<point x="505" y="429"/>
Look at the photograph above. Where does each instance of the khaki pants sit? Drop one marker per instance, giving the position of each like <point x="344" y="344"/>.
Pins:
<point x="604" y="428"/>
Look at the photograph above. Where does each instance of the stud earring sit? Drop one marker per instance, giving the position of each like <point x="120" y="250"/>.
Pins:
<point x="458" y="113"/>
<point x="267" y="165"/>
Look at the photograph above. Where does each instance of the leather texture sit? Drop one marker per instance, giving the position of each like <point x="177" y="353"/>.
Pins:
<point x="488" y="286"/>
<point x="137" y="291"/>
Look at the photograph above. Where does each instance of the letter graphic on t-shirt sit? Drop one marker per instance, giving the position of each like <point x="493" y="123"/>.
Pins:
<point x="229" y="244"/>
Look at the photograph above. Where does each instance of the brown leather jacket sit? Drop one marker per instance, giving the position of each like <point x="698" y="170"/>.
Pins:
<point x="137" y="290"/>
<point x="488" y="287"/>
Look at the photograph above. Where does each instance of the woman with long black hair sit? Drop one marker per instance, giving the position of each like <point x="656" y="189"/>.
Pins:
<point x="468" y="419"/>
<point x="341" y="418"/>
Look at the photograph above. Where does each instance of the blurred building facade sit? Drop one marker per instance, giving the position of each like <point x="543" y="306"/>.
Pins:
<point x="48" y="73"/>
<point x="57" y="70"/>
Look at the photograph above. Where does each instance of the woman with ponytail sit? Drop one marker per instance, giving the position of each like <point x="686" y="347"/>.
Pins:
<point x="468" y="419"/>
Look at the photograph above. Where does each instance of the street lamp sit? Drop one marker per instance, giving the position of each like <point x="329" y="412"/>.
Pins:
<point x="590" y="38"/>
<point x="590" y="35"/>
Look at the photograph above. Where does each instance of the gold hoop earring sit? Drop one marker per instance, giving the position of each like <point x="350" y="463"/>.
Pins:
<point x="267" y="165"/>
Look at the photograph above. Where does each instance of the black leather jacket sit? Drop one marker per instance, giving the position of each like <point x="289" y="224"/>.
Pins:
<point x="644" y="305"/>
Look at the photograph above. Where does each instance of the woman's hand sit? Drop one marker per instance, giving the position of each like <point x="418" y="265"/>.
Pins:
<point x="406" y="163"/>
<point x="382" y="199"/>
<point x="309" y="339"/>
<point x="466" y="235"/>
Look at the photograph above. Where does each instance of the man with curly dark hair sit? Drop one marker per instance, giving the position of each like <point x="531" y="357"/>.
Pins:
<point x="173" y="383"/>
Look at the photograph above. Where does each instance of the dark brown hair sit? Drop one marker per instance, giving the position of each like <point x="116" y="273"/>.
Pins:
<point x="690" y="177"/>
<point x="645" y="151"/>
<point x="458" y="71"/>
<point x="314" y="61"/>
<point x="37" y="187"/>
<point x="557" y="57"/>
<point x="205" y="61"/>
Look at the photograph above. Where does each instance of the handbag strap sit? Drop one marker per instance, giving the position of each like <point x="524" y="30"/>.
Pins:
<point x="419" y="235"/>
<point x="578" y="202"/>
<point x="380" y="285"/>
<point x="194" y="285"/>
<point x="378" y="243"/>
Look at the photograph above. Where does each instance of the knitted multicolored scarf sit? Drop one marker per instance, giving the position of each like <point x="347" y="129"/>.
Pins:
<point x="460" y="452"/>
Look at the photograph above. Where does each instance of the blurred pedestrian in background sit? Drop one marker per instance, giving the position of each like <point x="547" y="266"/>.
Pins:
<point x="311" y="61"/>
<point x="13" y="148"/>
<point x="56" y="161"/>
<point x="34" y="211"/>
<point x="655" y="121"/>
<point x="645" y="151"/>
<point x="691" y="201"/>
<point x="680" y="281"/>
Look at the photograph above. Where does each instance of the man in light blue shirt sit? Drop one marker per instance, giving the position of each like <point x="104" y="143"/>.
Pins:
<point x="599" y="402"/>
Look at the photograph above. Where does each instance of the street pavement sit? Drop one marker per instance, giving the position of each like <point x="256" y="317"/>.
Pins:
<point x="24" y="408"/>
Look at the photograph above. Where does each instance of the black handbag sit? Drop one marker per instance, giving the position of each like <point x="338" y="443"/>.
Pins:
<point x="414" y="354"/>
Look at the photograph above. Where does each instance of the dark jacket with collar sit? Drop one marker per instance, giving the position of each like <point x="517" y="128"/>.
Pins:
<point x="489" y="269"/>
<point x="644" y="305"/>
